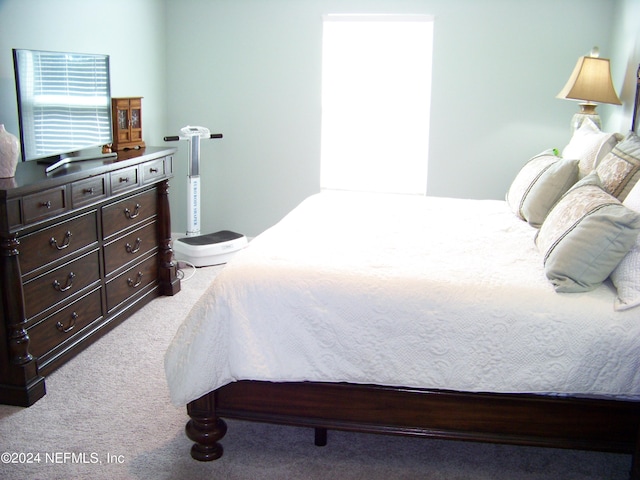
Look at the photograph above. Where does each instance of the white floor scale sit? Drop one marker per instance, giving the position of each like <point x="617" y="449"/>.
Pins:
<point x="208" y="249"/>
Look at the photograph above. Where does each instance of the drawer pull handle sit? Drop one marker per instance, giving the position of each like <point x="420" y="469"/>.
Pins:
<point x="153" y="170"/>
<point x="67" y="239"/>
<point x="72" y="323"/>
<point x="137" y="283"/>
<point x="46" y="204"/>
<point x="124" y="179"/>
<point x="89" y="191"/>
<point x="134" y="249"/>
<point x="136" y="212"/>
<point x="58" y="287"/>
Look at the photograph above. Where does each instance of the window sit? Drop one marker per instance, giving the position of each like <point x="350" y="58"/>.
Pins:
<point x="376" y="96"/>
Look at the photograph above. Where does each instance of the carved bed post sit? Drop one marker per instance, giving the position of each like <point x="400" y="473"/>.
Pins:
<point x="205" y="428"/>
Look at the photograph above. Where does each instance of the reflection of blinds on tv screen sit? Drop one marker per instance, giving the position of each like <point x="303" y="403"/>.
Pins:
<point x="64" y="102"/>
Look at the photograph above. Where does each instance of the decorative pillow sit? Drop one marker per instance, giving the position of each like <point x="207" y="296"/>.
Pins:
<point x="585" y="236"/>
<point x="620" y="168"/>
<point x="626" y="276"/>
<point x="539" y="185"/>
<point x="589" y="145"/>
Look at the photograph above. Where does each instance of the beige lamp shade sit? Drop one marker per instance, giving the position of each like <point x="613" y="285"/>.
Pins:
<point x="591" y="82"/>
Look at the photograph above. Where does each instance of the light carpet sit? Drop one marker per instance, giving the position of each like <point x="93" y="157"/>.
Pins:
<point x="107" y="415"/>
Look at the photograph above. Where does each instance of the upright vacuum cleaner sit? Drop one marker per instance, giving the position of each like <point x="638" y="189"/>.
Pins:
<point x="213" y="248"/>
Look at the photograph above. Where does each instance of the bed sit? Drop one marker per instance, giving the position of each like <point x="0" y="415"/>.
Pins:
<point x="510" y="321"/>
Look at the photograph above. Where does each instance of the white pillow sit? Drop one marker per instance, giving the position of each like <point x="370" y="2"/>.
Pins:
<point x="589" y="145"/>
<point x="539" y="185"/>
<point x="626" y="276"/>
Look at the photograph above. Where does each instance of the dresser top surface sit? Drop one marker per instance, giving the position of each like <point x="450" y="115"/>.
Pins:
<point x="31" y="176"/>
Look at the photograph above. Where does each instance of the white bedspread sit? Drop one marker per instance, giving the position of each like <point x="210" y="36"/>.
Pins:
<point x="406" y="291"/>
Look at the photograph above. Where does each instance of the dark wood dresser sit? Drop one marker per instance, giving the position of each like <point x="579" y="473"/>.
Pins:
<point x="81" y="249"/>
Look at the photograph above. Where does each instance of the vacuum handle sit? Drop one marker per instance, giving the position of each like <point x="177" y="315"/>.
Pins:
<point x="175" y="138"/>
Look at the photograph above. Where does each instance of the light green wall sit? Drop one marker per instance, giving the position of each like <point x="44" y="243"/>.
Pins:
<point x="134" y="39"/>
<point x="625" y="57"/>
<point x="253" y="73"/>
<point x="250" y="69"/>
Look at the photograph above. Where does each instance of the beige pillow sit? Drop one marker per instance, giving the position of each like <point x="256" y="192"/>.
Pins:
<point x="538" y="186"/>
<point x="585" y="236"/>
<point x="589" y="145"/>
<point x="620" y="169"/>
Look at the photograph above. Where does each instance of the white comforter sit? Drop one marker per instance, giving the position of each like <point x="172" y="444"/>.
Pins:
<point x="406" y="291"/>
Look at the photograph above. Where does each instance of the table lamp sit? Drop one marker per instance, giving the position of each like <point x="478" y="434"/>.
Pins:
<point x="591" y="83"/>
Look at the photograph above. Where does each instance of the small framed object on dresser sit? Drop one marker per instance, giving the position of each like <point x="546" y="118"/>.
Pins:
<point x="126" y="116"/>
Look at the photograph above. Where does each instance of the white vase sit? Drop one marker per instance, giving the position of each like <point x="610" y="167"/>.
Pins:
<point x="9" y="153"/>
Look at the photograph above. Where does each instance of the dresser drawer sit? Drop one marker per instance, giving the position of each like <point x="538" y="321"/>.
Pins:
<point x="130" y="247"/>
<point x="122" y="180"/>
<point x="46" y="204"/>
<point x="62" y="325"/>
<point x="153" y="170"/>
<point x="85" y="192"/>
<point x="55" y="286"/>
<point x="130" y="211"/>
<point x="55" y="242"/>
<point x="132" y="281"/>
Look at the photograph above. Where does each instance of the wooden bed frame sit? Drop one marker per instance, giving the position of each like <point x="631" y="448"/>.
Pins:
<point x="521" y="419"/>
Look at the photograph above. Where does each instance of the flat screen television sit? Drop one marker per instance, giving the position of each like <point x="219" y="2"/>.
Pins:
<point x="64" y="105"/>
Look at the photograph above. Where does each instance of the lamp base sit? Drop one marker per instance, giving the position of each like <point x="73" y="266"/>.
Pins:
<point x="587" y="110"/>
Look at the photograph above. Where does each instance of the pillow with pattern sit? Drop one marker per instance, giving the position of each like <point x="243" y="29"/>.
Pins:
<point x="620" y="168"/>
<point x="585" y="236"/>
